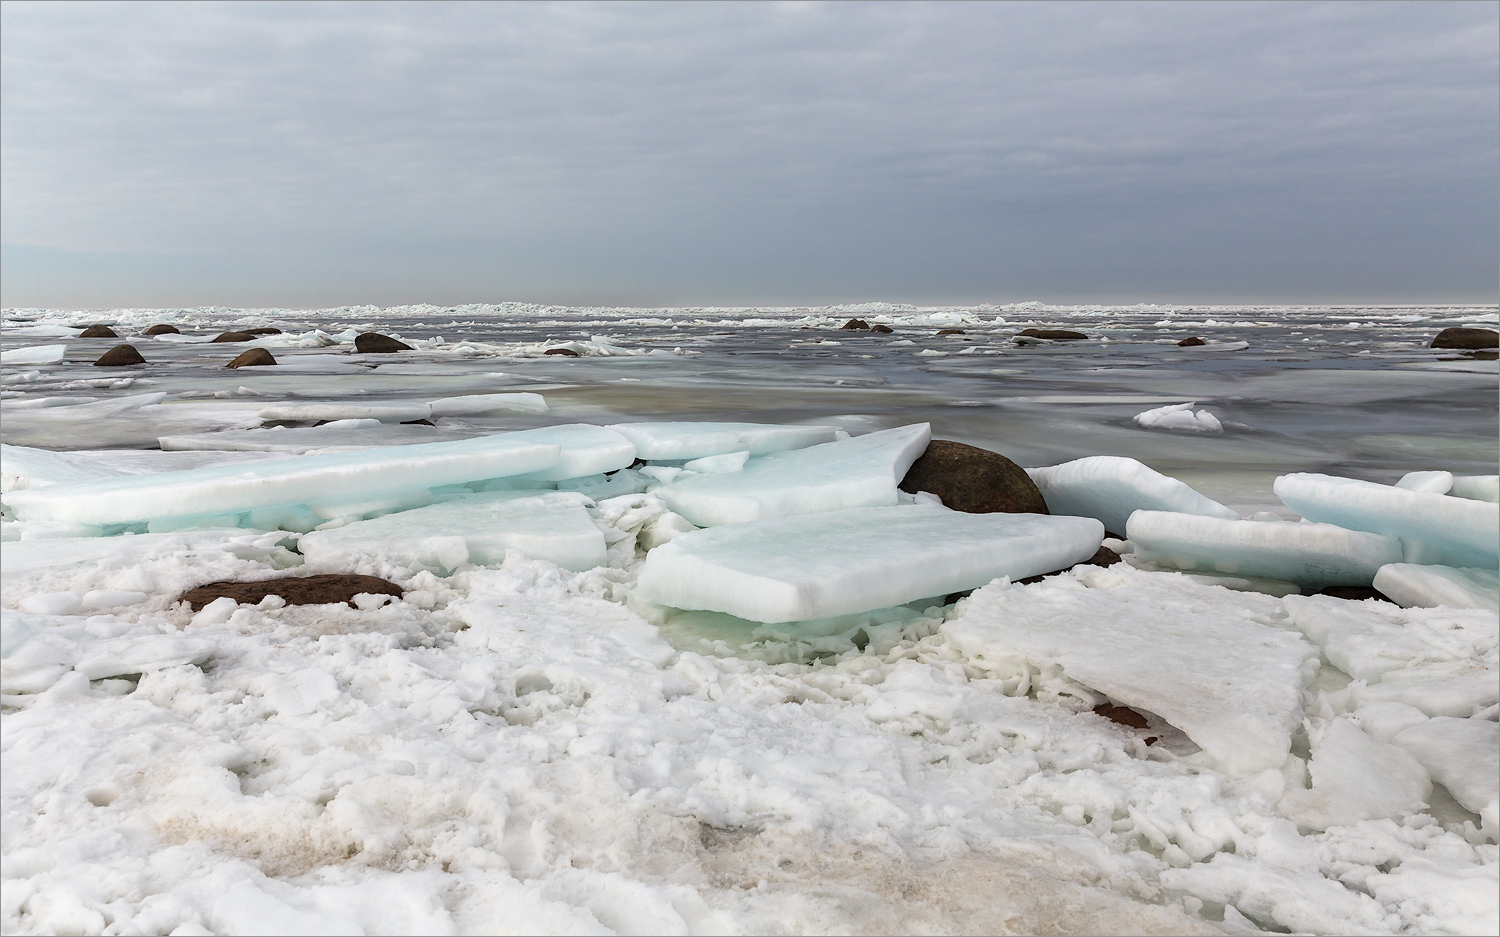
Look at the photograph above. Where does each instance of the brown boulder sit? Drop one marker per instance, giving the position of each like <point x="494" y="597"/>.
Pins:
<point x="417" y="423"/>
<point x="950" y="331"/>
<point x="296" y="590"/>
<point x="1466" y="338"/>
<point x="1484" y="355"/>
<point x="974" y="480"/>
<point x="1190" y="341"/>
<point x="263" y="330"/>
<point x="880" y="327"/>
<point x="1125" y="716"/>
<point x="1056" y="335"/>
<point x="373" y="343"/>
<point x="233" y="337"/>
<point x="255" y="357"/>
<point x="162" y="329"/>
<point x="565" y="352"/>
<point x="98" y="331"/>
<point x="855" y="324"/>
<point x="119" y="356"/>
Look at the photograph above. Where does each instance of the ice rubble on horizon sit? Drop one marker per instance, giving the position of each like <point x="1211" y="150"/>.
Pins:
<point x="1110" y="488"/>
<point x="1412" y="585"/>
<point x="662" y="442"/>
<point x="842" y="562"/>
<point x="850" y="473"/>
<point x="1313" y="555"/>
<point x="1433" y="528"/>
<point x="1180" y="417"/>
<point x="545" y="525"/>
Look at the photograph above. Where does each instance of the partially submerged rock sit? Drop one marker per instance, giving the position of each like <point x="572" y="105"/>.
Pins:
<point x="119" y="356"/>
<point x="373" y="343"/>
<point x="1190" y="341"/>
<point x="233" y="337"/>
<point x="262" y="330"/>
<point x="98" y="331"/>
<point x="255" y="357"/>
<point x="853" y="324"/>
<point x="295" y="590"/>
<point x="1053" y="335"/>
<point x="565" y="352"/>
<point x="973" y="480"/>
<point x="880" y="327"/>
<point x="161" y="328"/>
<point x="1466" y="338"/>
<point x="950" y="331"/>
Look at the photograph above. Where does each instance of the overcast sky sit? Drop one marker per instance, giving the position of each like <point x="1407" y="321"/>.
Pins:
<point x="767" y="153"/>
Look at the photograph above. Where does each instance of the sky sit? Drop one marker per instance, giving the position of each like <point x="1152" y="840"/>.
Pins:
<point x="310" y="155"/>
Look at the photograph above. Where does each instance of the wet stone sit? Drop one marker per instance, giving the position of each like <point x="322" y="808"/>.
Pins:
<point x="255" y="357"/>
<point x="373" y="343"/>
<point x="161" y="328"/>
<point x="119" y="356"/>
<point x="1190" y="341"/>
<point x="854" y="324"/>
<point x="879" y="327"/>
<point x="951" y="331"/>
<point x="565" y="352"/>
<point x="263" y="330"/>
<point x="98" y="331"/>
<point x="1056" y="335"/>
<point x="973" y="480"/>
<point x="295" y="590"/>
<point x="233" y="337"/>
<point x="1466" y="338"/>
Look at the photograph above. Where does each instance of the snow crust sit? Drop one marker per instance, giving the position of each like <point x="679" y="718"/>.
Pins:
<point x="841" y="562"/>
<point x="1409" y="584"/>
<point x="675" y="441"/>
<point x="1111" y="488"/>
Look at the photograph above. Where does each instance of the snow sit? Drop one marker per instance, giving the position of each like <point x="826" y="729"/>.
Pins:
<point x="544" y="525"/>
<point x="1409" y="584"/>
<point x="33" y="354"/>
<point x="1312" y="555"/>
<point x="1232" y="682"/>
<point x="1433" y="528"/>
<point x="1181" y="417"/>
<point x="838" y="563"/>
<point x="1355" y="777"/>
<point x="343" y="482"/>
<point x="1110" y="488"/>
<point x="851" y="473"/>
<point x="1463" y="755"/>
<point x="674" y="441"/>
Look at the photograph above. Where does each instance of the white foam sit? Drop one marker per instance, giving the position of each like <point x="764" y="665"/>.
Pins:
<point x="837" y="563"/>
<point x="1110" y="488"/>
<point x="673" y="441"/>
<point x="1410" y="585"/>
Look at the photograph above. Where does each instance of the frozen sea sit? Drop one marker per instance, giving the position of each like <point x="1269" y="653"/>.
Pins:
<point x="520" y="748"/>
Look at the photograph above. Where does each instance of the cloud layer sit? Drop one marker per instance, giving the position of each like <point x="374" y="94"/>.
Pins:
<point x="310" y="154"/>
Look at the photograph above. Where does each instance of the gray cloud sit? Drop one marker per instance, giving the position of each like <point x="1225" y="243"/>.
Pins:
<point x="308" y="154"/>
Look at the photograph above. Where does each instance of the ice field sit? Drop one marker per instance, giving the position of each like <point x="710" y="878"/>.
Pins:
<point x="675" y="653"/>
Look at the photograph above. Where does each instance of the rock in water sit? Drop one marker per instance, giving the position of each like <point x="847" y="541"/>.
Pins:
<point x="1056" y="335"/>
<point x="234" y="337"/>
<point x="878" y="327"/>
<point x="1190" y="341"/>
<point x="1466" y="338"/>
<point x="950" y="331"/>
<point x="119" y="356"/>
<point x="98" y="331"/>
<point x="263" y="330"/>
<point x="853" y="324"/>
<point x="565" y="352"/>
<point x="373" y="343"/>
<point x="296" y="590"/>
<point x="161" y="328"/>
<point x="252" y="358"/>
<point x="974" y="480"/>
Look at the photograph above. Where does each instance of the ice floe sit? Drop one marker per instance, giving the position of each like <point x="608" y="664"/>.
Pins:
<point x="585" y="450"/>
<point x="1110" y="488"/>
<point x="677" y="441"/>
<point x="1181" y="417"/>
<point x="1410" y="584"/>
<point x="33" y="354"/>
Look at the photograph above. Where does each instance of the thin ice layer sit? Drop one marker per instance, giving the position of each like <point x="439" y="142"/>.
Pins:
<point x="310" y="412"/>
<point x="835" y="476"/>
<point x="839" y="563"/>
<point x="671" y="441"/>
<point x="1447" y="530"/>
<point x="586" y="450"/>
<point x="330" y="478"/>
<point x="545" y="525"/>
<point x="1409" y="584"/>
<point x="1314" y="555"/>
<point x="1216" y="670"/>
<point x="471" y="404"/>
<point x="1110" y="488"/>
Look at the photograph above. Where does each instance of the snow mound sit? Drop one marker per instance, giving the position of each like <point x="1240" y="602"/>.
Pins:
<point x="1180" y="417"/>
<point x="1110" y="488"/>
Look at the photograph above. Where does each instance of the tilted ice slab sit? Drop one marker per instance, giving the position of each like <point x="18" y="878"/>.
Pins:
<point x="1476" y="487"/>
<point x="1437" y="483"/>
<point x="1409" y="585"/>
<point x="1110" y="488"/>
<point x="34" y="354"/>
<point x="545" y="525"/>
<point x="1200" y="657"/>
<point x="1313" y="555"/>
<point x="672" y="441"/>
<point x="586" y="450"/>
<point x="838" y="563"/>
<point x="1433" y="528"/>
<point x="332" y="478"/>
<point x="835" y="476"/>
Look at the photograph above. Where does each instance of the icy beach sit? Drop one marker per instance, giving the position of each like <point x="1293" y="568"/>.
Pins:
<point x="664" y="642"/>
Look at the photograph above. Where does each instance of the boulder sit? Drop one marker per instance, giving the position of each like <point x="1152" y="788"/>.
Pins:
<point x="565" y="352"/>
<point x="879" y="327"/>
<point x="98" y="331"/>
<point x="373" y="343"/>
<point x="1125" y="716"/>
<point x="263" y="330"/>
<point x="1466" y="338"/>
<point x="161" y="328"/>
<point x="950" y="331"/>
<point x="255" y="357"/>
<point x="417" y="423"/>
<point x="119" y="356"/>
<point x="234" y="337"/>
<point x="1190" y="341"/>
<point x="1056" y="335"/>
<point x="1484" y="355"/>
<point x="973" y="480"/>
<point x="296" y="590"/>
<point x="855" y="324"/>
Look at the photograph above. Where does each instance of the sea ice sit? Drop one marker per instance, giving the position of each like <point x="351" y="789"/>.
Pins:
<point x="545" y="525"/>
<point x="1312" y="555"/>
<point x="310" y="412"/>
<point x="34" y="354"/>
<point x="1476" y="487"/>
<point x="586" y="450"/>
<point x="1437" y="528"/>
<point x="1410" y="585"/>
<point x="850" y="473"/>
<point x="841" y="562"/>
<point x="332" y="436"/>
<point x="674" y="441"/>
<point x="1463" y="755"/>
<point x="1218" y="670"/>
<point x="473" y="404"/>
<point x="1437" y="483"/>
<point x="1111" y="487"/>
<point x="1355" y="777"/>
<point x="1180" y="416"/>
<point x="352" y="478"/>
